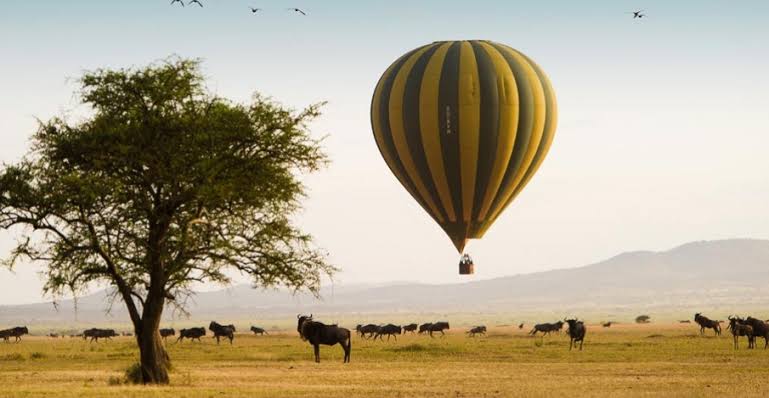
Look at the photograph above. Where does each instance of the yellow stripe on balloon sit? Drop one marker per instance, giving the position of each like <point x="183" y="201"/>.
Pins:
<point x="508" y="125"/>
<point x="430" y="130"/>
<point x="469" y="125"/>
<point x="399" y="133"/>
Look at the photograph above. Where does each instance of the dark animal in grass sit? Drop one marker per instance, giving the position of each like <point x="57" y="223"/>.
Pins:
<point x="577" y="332"/>
<point x="368" y="331"/>
<point x="760" y="329"/>
<point x="476" y="331"/>
<point x="258" y="331"/>
<point x="438" y="327"/>
<point x="738" y="329"/>
<point x="546" y="328"/>
<point x="411" y="327"/>
<point x="317" y="333"/>
<point x="191" y="333"/>
<point x="521" y="325"/>
<point x="607" y="324"/>
<point x="15" y="332"/>
<point x="685" y="321"/>
<point x="707" y="323"/>
<point x="220" y="331"/>
<point x="164" y="333"/>
<point x="425" y="327"/>
<point x="643" y="319"/>
<point x="94" y="334"/>
<point x="389" y="330"/>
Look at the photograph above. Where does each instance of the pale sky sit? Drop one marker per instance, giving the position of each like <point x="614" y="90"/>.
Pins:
<point x="663" y="122"/>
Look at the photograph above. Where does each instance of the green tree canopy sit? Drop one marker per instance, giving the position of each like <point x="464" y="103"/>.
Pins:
<point x="162" y="186"/>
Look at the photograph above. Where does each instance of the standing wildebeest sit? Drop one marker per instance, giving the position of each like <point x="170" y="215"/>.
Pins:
<point x="164" y="333"/>
<point x="368" y="331"/>
<point x="438" y="327"/>
<point x="389" y="330"/>
<point x="95" y="334"/>
<point x="577" y="332"/>
<point x="318" y="333"/>
<point x="739" y="329"/>
<point x="411" y="327"/>
<point x="258" y="331"/>
<point x="425" y="327"/>
<point x="760" y="329"/>
<point x="227" y="331"/>
<point x="477" y="330"/>
<point x="607" y="324"/>
<point x="191" y="333"/>
<point x="546" y="328"/>
<point x="707" y="323"/>
<point x="16" y="332"/>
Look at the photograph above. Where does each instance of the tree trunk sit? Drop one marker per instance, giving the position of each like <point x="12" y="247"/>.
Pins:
<point x="153" y="356"/>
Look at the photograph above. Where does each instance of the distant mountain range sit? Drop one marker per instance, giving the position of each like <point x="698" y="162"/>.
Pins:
<point x="714" y="276"/>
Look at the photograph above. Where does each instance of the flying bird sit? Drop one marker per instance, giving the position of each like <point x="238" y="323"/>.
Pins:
<point x="177" y="1"/>
<point x="255" y="10"/>
<point x="296" y="10"/>
<point x="637" y="14"/>
<point x="195" y="2"/>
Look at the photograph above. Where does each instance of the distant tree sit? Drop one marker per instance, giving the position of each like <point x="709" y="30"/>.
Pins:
<point x="643" y="319"/>
<point x="162" y="186"/>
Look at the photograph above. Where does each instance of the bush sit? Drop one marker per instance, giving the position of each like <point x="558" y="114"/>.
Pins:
<point x="37" y="355"/>
<point x="133" y="374"/>
<point x="12" y="357"/>
<point x="115" y="380"/>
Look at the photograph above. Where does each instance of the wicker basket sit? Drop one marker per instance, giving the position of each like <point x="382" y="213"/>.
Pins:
<point x="466" y="268"/>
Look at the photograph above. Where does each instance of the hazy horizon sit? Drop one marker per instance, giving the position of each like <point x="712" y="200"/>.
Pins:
<point x="661" y="139"/>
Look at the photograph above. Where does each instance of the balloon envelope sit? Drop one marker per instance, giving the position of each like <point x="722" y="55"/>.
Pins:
<point x="464" y="125"/>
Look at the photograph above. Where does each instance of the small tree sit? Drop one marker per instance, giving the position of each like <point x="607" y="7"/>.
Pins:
<point x="643" y="319"/>
<point x="164" y="185"/>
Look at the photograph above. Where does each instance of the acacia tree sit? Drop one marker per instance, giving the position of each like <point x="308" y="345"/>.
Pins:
<point x="163" y="186"/>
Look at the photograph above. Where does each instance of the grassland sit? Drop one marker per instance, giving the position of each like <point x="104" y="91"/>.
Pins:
<point x="625" y="360"/>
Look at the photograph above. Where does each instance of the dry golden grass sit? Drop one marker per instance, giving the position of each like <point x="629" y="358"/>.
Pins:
<point x="625" y="360"/>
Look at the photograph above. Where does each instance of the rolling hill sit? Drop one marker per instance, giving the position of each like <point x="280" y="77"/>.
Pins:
<point x="723" y="276"/>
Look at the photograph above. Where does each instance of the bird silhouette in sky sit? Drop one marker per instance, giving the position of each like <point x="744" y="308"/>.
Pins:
<point x="195" y="2"/>
<point x="637" y="14"/>
<point x="255" y="10"/>
<point x="177" y="1"/>
<point x="296" y="10"/>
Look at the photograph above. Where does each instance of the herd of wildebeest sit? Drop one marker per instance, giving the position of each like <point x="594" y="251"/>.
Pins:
<point x="317" y="333"/>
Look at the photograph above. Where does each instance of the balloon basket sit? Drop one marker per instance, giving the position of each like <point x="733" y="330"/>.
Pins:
<point x="466" y="268"/>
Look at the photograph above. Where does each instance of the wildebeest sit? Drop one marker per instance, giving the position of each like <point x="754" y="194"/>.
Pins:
<point x="191" y="333"/>
<point x="577" y="332"/>
<point x="425" y="327"/>
<point x="317" y="333"/>
<point x="607" y="324"/>
<point x="164" y="333"/>
<point x="95" y="334"/>
<point x="521" y="325"/>
<point x="707" y="323"/>
<point x="438" y="327"/>
<point x="546" y="328"/>
<point x="227" y="331"/>
<point x="367" y="331"/>
<point x="411" y="327"/>
<point x="739" y="329"/>
<point x="477" y="330"/>
<point x="15" y="332"/>
<point x="760" y="329"/>
<point x="389" y="330"/>
<point x="258" y="330"/>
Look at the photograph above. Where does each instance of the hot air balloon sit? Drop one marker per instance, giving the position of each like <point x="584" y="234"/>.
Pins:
<point x="464" y="125"/>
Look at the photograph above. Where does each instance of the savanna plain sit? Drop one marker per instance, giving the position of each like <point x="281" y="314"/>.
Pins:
<point x="623" y="360"/>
